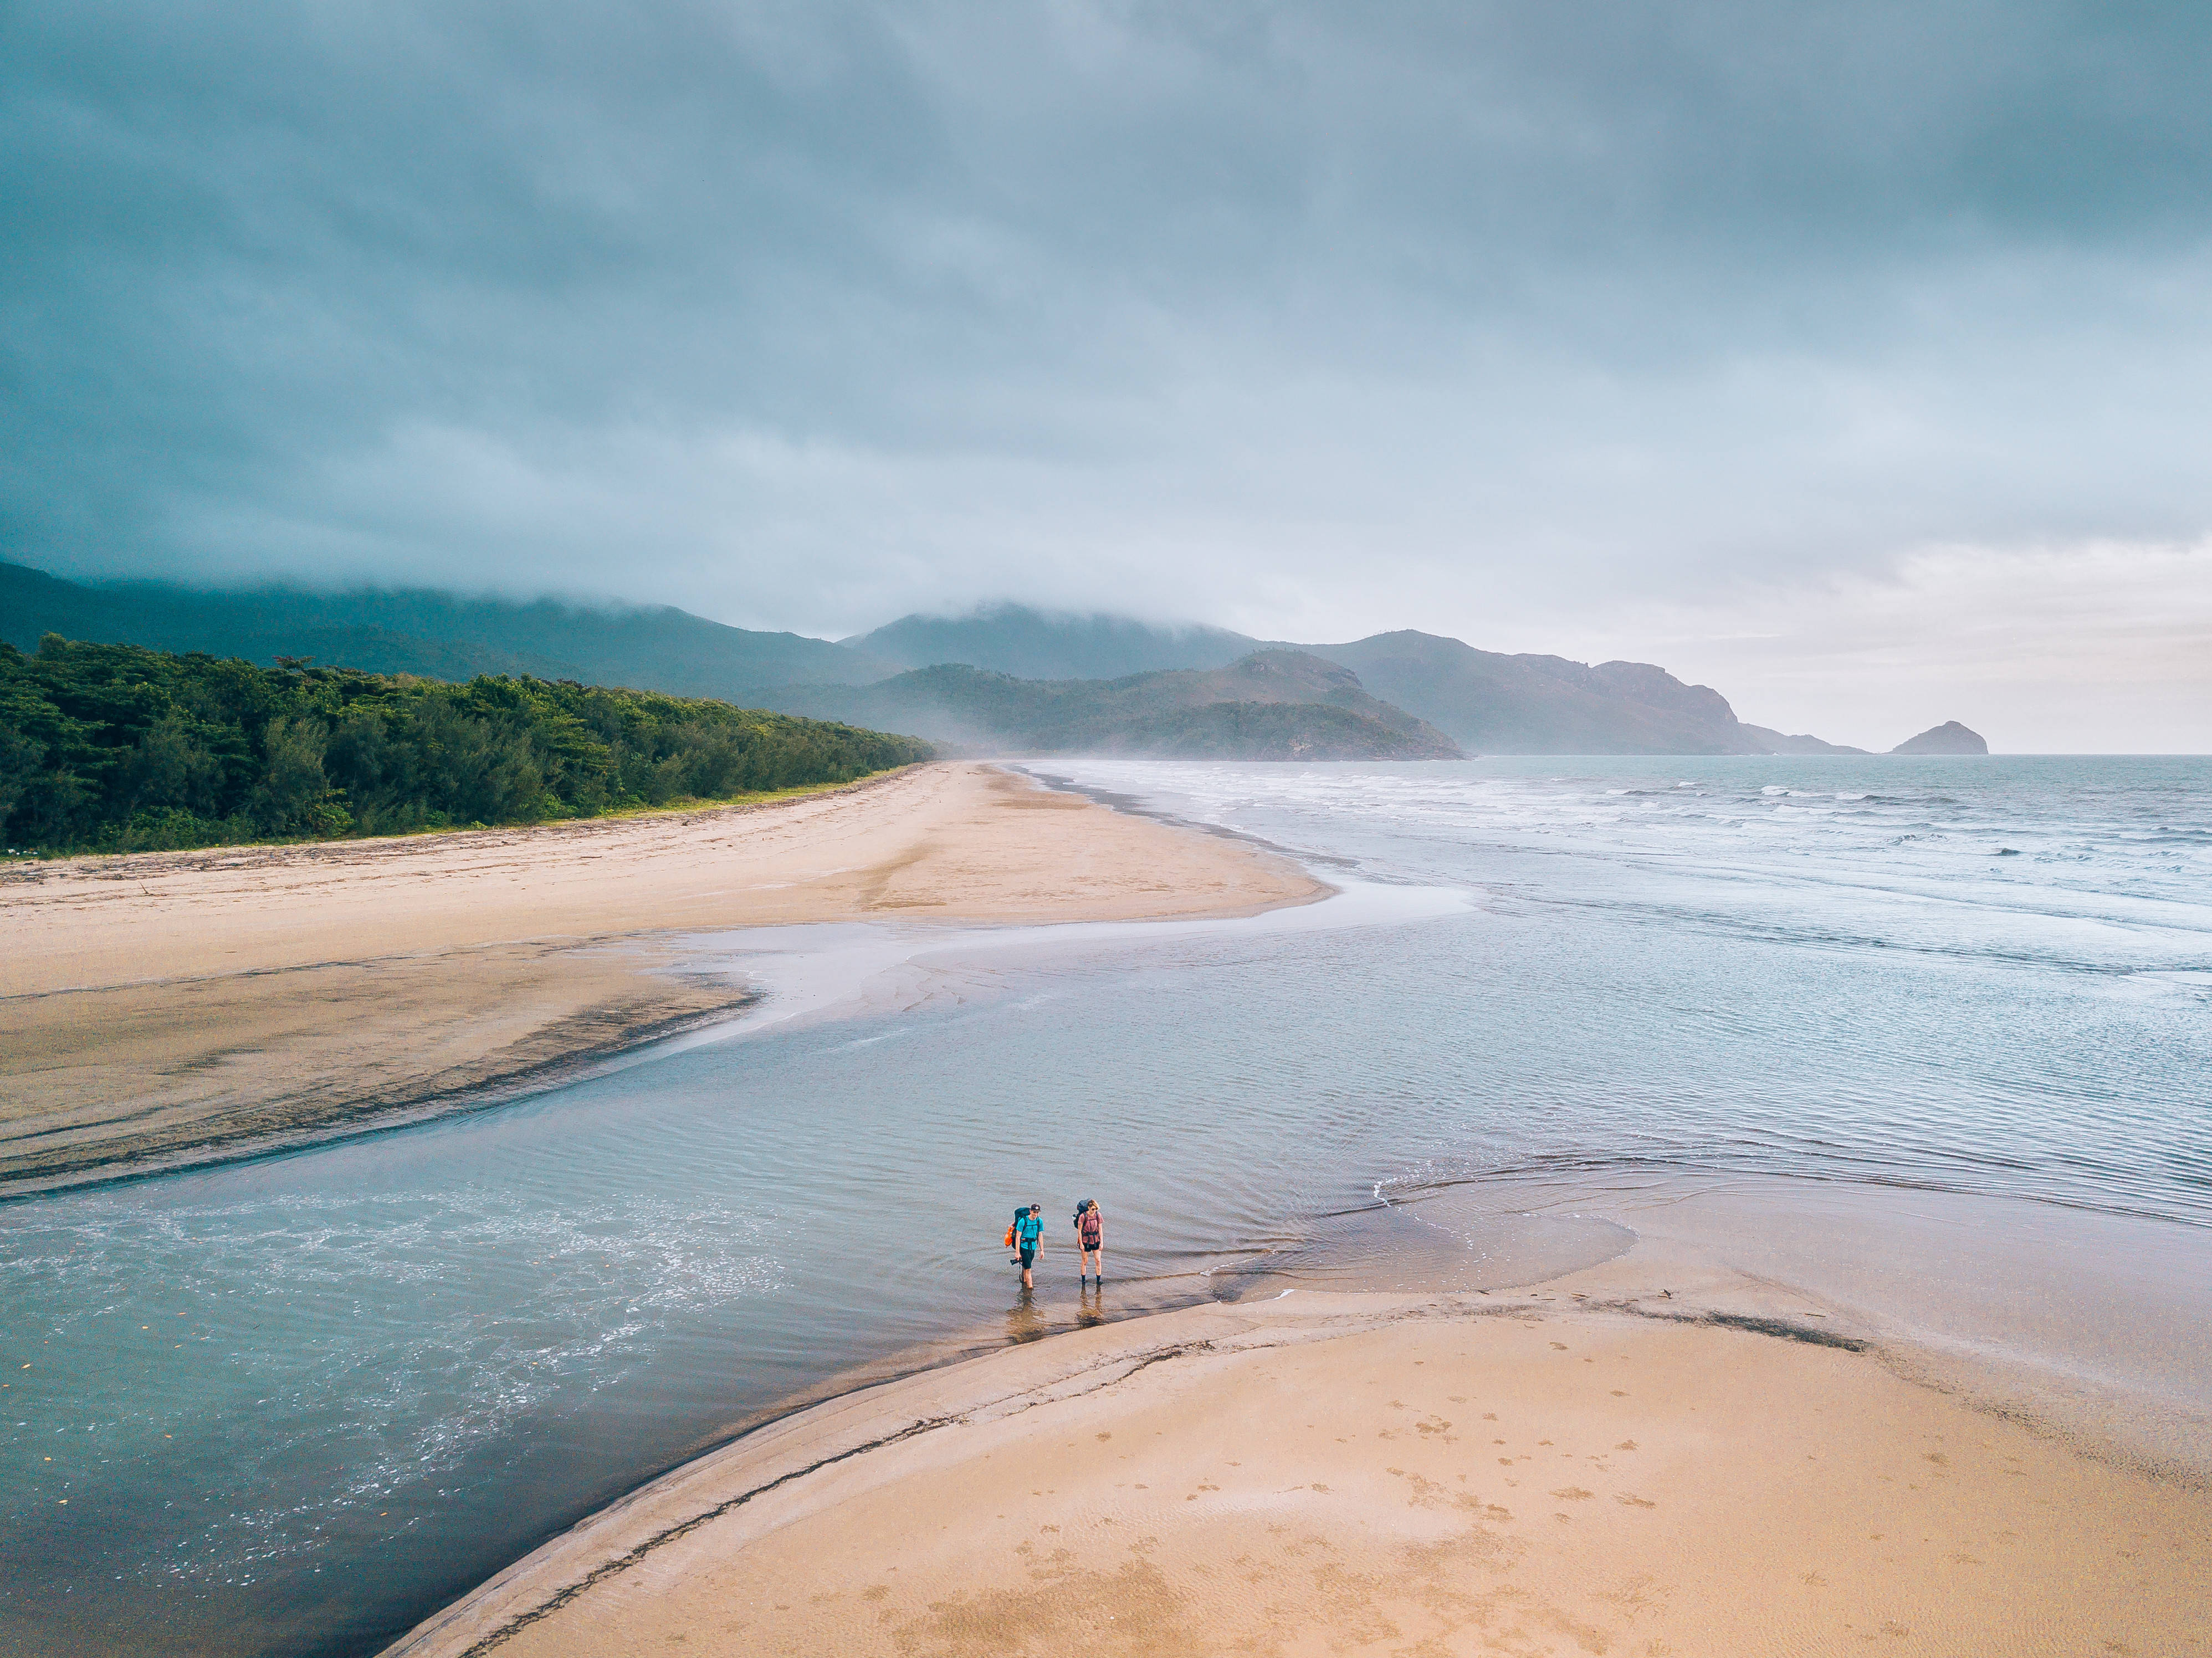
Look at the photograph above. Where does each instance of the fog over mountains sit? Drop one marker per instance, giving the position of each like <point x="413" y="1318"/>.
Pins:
<point x="1003" y="678"/>
<point x="1032" y="644"/>
<point x="439" y="635"/>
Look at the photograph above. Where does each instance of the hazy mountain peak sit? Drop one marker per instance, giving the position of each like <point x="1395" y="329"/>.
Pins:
<point x="1035" y="644"/>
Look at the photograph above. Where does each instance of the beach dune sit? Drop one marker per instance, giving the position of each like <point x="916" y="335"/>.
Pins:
<point x="169" y="1008"/>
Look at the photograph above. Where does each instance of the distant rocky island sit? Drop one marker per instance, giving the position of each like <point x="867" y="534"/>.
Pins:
<point x="1949" y="737"/>
<point x="1001" y="678"/>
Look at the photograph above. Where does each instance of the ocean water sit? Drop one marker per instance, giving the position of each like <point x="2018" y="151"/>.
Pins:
<point x="293" y="1406"/>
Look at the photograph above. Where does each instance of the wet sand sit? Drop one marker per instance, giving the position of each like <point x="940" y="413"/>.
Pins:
<point x="1607" y="1465"/>
<point x="163" y="1009"/>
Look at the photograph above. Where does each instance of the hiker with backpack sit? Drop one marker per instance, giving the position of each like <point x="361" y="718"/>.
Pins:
<point x="1023" y="1235"/>
<point x="1090" y="1233"/>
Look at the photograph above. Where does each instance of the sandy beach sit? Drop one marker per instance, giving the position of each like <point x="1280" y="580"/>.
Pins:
<point x="167" y="1008"/>
<point x="1605" y="1465"/>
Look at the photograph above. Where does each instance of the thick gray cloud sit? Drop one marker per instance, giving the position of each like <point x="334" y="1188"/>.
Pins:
<point x="1550" y="326"/>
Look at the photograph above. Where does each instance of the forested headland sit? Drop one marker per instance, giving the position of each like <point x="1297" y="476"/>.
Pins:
<point x="115" y="748"/>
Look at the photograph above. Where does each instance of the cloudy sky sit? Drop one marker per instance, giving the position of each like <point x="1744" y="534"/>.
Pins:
<point x="1854" y="358"/>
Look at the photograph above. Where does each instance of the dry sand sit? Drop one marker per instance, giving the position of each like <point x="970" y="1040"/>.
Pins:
<point x="173" y="1007"/>
<point x="1346" y="1473"/>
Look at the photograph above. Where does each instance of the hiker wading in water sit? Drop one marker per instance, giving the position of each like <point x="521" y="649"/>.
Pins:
<point x="1089" y="1235"/>
<point x="1027" y="1230"/>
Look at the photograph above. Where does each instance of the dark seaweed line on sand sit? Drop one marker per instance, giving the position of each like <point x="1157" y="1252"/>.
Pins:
<point x="1780" y="1329"/>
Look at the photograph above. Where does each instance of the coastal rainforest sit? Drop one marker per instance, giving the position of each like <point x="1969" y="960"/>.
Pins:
<point x="116" y="748"/>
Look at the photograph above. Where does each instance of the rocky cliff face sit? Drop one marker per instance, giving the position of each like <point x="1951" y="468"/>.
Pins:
<point x="1949" y="737"/>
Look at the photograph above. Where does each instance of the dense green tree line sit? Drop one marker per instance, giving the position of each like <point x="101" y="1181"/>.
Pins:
<point x="114" y="747"/>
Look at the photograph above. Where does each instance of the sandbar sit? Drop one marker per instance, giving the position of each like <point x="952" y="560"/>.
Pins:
<point x="162" y="1008"/>
<point x="1599" y="1465"/>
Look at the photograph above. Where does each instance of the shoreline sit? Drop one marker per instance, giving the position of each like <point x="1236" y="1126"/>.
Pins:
<point x="243" y="1001"/>
<point x="800" y="1512"/>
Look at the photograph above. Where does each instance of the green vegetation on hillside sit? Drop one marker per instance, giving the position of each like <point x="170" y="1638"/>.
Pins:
<point x="114" y="748"/>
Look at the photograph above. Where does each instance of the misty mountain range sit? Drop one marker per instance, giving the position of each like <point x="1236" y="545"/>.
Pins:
<point x="1002" y="677"/>
<point x="1265" y="705"/>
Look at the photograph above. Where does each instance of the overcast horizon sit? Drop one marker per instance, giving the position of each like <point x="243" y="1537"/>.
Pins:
<point x="1850" y="359"/>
